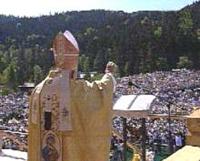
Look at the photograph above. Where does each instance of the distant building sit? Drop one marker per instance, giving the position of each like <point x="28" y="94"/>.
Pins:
<point x="27" y="87"/>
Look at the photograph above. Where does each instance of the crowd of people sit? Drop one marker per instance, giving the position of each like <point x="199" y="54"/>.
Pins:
<point x="181" y="88"/>
<point x="14" y="120"/>
<point x="178" y="88"/>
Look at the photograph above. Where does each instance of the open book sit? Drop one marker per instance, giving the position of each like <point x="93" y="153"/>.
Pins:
<point x="133" y="102"/>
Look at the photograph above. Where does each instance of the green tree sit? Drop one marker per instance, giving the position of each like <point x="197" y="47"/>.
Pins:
<point x="185" y="22"/>
<point x="126" y="68"/>
<point x="162" y="64"/>
<point x="87" y="76"/>
<point x="38" y="74"/>
<point x="86" y="65"/>
<point x="10" y="75"/>
<point x="184" y="62"/>
<point x="2" y="62"/>
<point x="99" y="61"/>
<point x="158" y="32"/>
<point x="81" y="62"/>
<point x="21" y="67"/>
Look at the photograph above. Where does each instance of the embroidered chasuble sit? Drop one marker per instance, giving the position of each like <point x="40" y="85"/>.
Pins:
<point x="70" y="120"/>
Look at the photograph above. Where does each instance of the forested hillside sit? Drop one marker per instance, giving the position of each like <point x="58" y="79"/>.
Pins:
<point x="138" y="42"/>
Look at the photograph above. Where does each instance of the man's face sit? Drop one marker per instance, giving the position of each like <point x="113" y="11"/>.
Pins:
<point x="66" y="62"/>
<point x="70" y="62"/>
<point x="62" y="58"/>
<point x="108" y="69"/>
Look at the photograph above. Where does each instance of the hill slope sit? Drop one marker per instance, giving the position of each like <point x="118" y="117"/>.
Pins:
<point x="138" y="42"/>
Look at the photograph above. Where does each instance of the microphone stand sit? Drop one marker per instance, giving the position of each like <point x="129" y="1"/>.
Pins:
<point x="143" y="129"/>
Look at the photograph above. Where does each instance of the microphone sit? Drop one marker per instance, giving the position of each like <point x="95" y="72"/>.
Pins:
<point x="139" y="87"/>
<point x="133" y="84"/>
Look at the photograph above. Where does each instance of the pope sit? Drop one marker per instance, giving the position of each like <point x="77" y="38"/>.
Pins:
<point x="69" y="118"/>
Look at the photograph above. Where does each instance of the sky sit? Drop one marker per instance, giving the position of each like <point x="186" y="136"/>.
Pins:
<point x="45" y="7"/>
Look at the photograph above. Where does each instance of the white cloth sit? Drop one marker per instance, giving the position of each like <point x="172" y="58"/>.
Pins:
<point x="178" y="141"/>
<point x="64" y="109"/>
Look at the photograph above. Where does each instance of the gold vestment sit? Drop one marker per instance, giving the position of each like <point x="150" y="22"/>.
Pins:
<point x="80" y="131"/>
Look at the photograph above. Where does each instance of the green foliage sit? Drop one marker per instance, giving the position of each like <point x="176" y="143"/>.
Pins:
<point x="89" y="31"/>
<point x="185" y="21"/>
<point x="38" y="74"/>
<point x="86" y="65"/>
<point x="5" y="91"/>
<point x="198" y="34"/>
<point x="97" y="76"/>
<point x="10" y="75"/>
<point x="162" y="64"/>
<point x="145" y="20"/>
<point x="2" y="61"/>
<point x="137" y="42"/>
<point x="126" y="67"/>
<point x="158" y="32"/>
<point x="99" y="61"/>
<point x="81" y="62"/>
<point x="184" y="62"/>
<point x="87" y="76"/>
